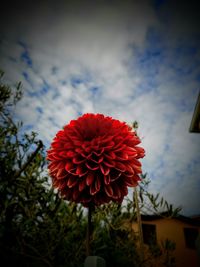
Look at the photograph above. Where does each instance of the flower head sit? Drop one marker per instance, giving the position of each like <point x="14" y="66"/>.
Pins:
<point x="94" y="159"/>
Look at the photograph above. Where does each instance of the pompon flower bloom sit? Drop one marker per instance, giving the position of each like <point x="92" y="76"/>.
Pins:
<point x="94" y="159"/>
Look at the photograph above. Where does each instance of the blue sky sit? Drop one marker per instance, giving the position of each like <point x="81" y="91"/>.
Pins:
<point x="133" y="60"/>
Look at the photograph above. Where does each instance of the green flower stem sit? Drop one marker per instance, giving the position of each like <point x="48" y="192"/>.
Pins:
<point x="89" y="230"/>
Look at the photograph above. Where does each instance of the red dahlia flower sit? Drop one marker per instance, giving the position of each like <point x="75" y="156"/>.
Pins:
<point x="94" y="159"/>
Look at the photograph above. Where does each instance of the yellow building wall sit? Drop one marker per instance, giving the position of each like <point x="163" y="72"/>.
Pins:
<point x="174" y="230"/>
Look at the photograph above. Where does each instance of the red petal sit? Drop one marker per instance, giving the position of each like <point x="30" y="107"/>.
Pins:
<point x="70" y="154"/>
<point x="100" y="159"/>
<point x="109" y="145"/>
<point x="122" y="155"/>
<point x="75" y="194"/>
<point x="91" y="165"/>
<point x="63" y="154"/>
<point x="68" y="145"/>
<point x="88" y="156"/>
<point x="130" y="181"/>
<point x="101" y="198"/>
<point x="95" y="147"/>
<point x="119" y="147"/>
<point x="53" y="156"/>
<point x="117" y="191"/>
<point x="140" y="151"/>
<point x="104" y="169"/>
<point x="79" y="150"/>
<point x="61" y="174"/>
<point x="118" y="139"/>
<point x="99" y="152"/>
<point x="137" y="178"/>
<point x="97" y="183"/>
<point x="124" y="190"/>
<point x="81" y="170"/>
<point x="95" y="158"/>
<point x="137" y="169"/>
<point x="85" y="199"/>
<point x="88" y="150"/>
<point x="107" y="139"/>
<point x="131" y="151"/>
<point x="53" y="166"/>
<point x="61" y="165"/>
<point x="133" y="156"/>
<point x="109" y="163"/>
<point x="129" y="169"/>
<point x="90" y="178"/>
<point x="62" y="185"/>
<point x="78" y="159"/>
<point x="120" y="166"/>
<point x="114" y="175"/>
<point x="85" y="155"/>
<point x="69" y="166"/>
<point x="110" y="155"/>
<point x="56" y="144"/>
<point x="60" y="134"/>
<point x="72" y="181"/>
<point x="82" y="185"/>
<point x="77" y="142"/>
<point x="133" y="141"/>
<point x="55" y="182"/>
<point x="93" y="189"/>
<point x="135" y="162"/>
<point x="128" y="174"/>
<point x="107" y="179"/>
<point x="109" y="190"/>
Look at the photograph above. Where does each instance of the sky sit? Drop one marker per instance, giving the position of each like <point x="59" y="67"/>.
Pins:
<point x="132" y="60"/>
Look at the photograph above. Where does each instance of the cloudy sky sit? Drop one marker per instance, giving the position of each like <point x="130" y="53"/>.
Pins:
<point x="133" y="60"/>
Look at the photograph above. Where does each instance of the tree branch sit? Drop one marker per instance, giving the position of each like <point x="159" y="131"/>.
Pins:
<point x="40" y="145"/>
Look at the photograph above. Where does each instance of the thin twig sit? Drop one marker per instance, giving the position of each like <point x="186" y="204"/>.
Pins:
<point x="40" y="145"/>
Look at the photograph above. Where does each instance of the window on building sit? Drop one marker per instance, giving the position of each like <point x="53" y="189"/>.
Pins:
<point x="149" y="233"/>
<point x="190" y="237"/>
